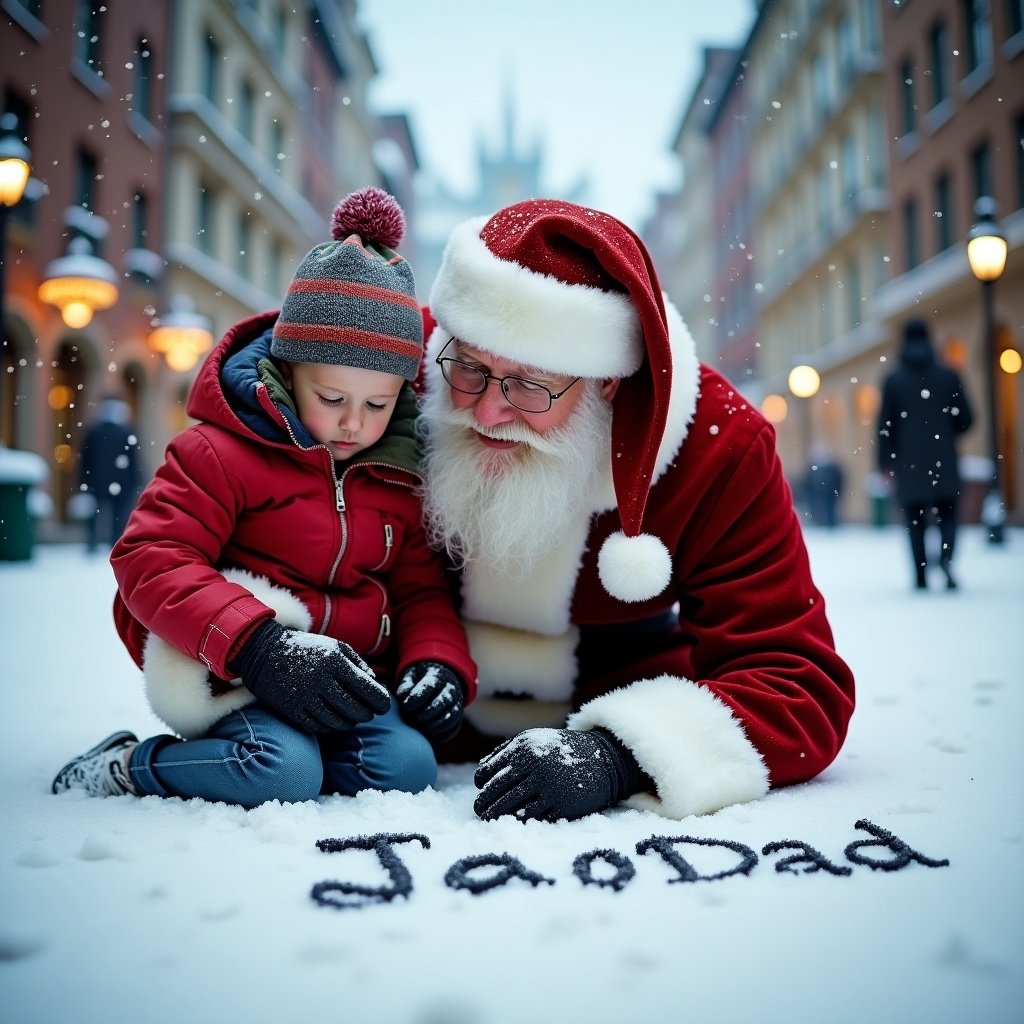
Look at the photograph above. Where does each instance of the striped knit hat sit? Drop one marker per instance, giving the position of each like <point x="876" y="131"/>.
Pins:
<point x="352" y="301"/>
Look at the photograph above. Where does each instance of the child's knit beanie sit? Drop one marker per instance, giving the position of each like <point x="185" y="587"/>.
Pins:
<point x="352" y="301"/>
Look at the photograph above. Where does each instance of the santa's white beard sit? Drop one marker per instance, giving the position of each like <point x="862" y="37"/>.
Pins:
<point x="512" y="505"/>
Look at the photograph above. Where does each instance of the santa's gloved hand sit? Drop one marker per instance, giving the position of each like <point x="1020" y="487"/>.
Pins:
<point x="315" y="682"/>
<point x="430" y="698"/>
<point x="550" y="774"/>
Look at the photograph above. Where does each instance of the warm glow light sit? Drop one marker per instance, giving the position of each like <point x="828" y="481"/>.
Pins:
<point x="13" y="179"/>
<point x="987" y="256"/>
<point x="1009" y="360"/>
<point x="804" y="381"/>
<point x="183" y="335"/>
<point x="866" y="400"/>
<point x="60" y="396"/>
<point x="14" y="162"/>
<point x="774" y="408"/>
<point x="79" y="284"/>
<point x="63" y="455"/>
<point x="986" y="244"/>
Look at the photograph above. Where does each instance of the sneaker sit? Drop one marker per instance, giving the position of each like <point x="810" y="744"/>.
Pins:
<point x="99" y="771"/>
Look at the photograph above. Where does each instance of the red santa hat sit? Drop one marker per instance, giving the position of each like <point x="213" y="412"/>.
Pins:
<point x="571" y="290"/>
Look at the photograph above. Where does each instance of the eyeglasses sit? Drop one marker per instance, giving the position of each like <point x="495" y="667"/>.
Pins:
<point x="525" y="395"/>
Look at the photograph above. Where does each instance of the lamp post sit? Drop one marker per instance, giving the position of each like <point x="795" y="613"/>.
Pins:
<point x="14" y="172"/>
<point x="986" y="253"/>
<point x="182" y="335"/>
<point x="804" y="382"/>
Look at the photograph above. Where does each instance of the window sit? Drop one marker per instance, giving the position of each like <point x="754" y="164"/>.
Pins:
<point x="204" y="227"/>
<point x="822" y="85"/>
<point x="85" y="178"/>
<point x="908" y="111"/>
<point x="143" y="88"/>
<point x="981" y="170"/>
<point x="1015" y="16"/>
<point x="938" y="45"/>
<point x="277" y="146"/>
<point x="911" y="246"/>
<point x="850" y="171"/>
<point x="88" y="33"/>
<point x="978" y="33"/>
<point x="280" y="30"/>
<point x="944" y="235"/>
<point x="246" y="106"/>
<point x="1020" y="162"/>
<point x="140" y="220"/>
<point x="211" y="69"/>
<point x="852" y="287"/>
<point x="847" y="50"/>
<point x="244" y="262"/>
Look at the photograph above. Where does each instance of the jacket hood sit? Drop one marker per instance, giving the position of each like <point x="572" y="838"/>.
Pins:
<point x="240" y="388"/>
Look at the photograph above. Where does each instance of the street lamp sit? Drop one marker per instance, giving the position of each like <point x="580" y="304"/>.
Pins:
<point x="986" y="253"/>
<point x="79" y="284"/>
<point x="14" y="172"/>
<point x="804" y="382"/>
<point x="183" y="335"/>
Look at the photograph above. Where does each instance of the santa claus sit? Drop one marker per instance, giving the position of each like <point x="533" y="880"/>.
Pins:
<point x="633" y="576"/>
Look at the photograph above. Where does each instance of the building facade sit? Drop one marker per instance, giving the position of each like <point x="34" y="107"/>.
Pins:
<point x="199" y="147"/>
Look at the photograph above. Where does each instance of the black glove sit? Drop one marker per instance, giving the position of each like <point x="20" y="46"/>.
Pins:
<point x="315" y="682"/>
<point x="430" y="698"/>
<point x="550" y="774"/>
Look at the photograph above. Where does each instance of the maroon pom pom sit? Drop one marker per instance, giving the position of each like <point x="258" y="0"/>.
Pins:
<point x="372" y="214"/>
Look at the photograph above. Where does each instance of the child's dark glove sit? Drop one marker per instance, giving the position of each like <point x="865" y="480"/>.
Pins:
<point x="430" y="698"/>
<point x="550" y="774"/>
<point x="315" y="682"/>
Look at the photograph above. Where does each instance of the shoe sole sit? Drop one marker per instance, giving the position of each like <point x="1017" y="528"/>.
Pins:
<point x="115" y="739"/>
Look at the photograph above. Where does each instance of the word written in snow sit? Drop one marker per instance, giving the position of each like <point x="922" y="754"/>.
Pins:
<point x="461" y="875"/>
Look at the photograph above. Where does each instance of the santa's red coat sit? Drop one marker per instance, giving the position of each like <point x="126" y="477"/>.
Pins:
<point x="745" y="691"/>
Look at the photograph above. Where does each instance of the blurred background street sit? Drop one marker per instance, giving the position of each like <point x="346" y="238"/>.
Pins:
<point x="806" y="176"/>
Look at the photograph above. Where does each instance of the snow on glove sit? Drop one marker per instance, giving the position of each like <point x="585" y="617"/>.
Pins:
<point x="430" y="698"/>
<point x="315" y="682"/>
<point x="550" y="774"/>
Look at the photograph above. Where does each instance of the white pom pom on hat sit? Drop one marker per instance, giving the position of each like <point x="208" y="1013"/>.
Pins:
<point x="634" y="568"/>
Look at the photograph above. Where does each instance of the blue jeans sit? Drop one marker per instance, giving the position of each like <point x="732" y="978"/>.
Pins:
<point x="252" y="756"/>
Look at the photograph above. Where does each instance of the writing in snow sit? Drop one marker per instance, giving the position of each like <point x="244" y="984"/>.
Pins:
<point x="605" y="868"/>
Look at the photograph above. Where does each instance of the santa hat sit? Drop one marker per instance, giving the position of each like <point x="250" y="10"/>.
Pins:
<point x="352" y="301"/>
<point x="571" y="290"/>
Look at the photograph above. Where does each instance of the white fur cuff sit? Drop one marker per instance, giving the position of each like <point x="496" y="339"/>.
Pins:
<point x="686" y="739"/>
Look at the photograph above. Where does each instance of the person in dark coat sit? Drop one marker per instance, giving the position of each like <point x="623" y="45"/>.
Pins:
<point x="110" y="471"/>
<point x="924" y="410"/>
<point x="824" y="487"/>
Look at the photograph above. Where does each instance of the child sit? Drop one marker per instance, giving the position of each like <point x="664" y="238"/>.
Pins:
<point x="276" y="565"/>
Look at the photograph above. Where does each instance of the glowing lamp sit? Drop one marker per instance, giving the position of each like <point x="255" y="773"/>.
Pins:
<point x="182" y="336"/>
<point x="79" y="284"/>
<point x="14" y="162"/>
<point x="986" y="244"/>
<point x="804" y="381"/>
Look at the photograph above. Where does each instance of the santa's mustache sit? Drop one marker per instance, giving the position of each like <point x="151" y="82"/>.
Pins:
<point x="514" y="430"/>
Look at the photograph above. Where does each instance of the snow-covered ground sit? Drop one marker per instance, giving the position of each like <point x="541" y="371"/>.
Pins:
<point x="165" y="911"/>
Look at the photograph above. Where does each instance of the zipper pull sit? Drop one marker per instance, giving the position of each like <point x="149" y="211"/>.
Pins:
<point x="339" y="498"/>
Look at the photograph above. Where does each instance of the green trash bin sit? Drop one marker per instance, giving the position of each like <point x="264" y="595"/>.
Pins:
<point x="20" y="473"/>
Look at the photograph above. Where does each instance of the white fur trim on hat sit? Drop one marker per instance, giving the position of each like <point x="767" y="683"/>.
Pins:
<point x="686" y="739"/>
<point x="634" y="568"/>
<point x="533" y="318"/>
<point x="178" y="687"/>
